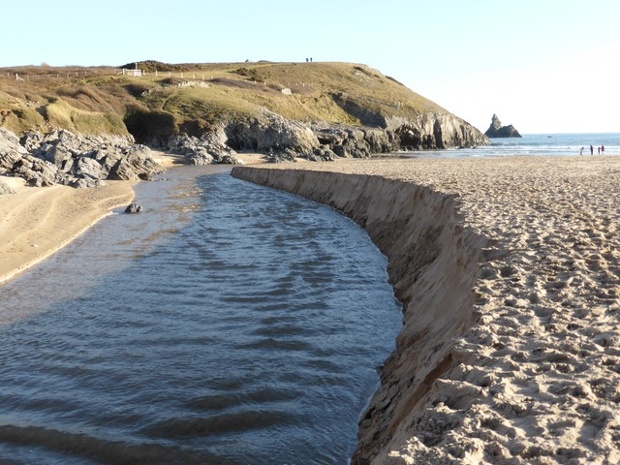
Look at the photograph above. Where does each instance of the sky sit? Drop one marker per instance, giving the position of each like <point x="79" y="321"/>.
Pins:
<point x="544" y="66"/>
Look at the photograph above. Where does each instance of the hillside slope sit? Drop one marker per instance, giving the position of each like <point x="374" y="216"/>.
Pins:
<point x="245" y="106"/>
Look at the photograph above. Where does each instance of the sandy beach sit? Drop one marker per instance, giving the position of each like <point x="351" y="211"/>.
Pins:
<point x="35" y="222"/>
<point x="511" y="357"/>
<point x="509" y="274"/>
<point x="38" y="221"/>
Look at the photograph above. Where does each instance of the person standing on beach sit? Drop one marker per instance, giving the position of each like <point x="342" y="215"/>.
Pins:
<point x="591" y="150"/>
<point x="581" y="151"/>
<point x="598" y="150"/>
<point x="602" y="150"/>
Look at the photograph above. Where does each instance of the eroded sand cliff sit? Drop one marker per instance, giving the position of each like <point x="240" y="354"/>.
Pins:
<point x="509" y="273"/>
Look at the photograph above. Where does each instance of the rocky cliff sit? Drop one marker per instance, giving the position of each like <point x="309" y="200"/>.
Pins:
<point x="319" y="111"/>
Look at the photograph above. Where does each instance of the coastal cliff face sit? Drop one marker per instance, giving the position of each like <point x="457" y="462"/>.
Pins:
<point x="317" y="111"/>
<point x="433" y="265"/>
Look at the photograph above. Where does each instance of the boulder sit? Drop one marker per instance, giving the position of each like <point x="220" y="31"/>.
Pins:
<point x="92" y="157"/>
<point x="89" y="168"/>
<point x="134" y="163"/>
<point x="133" y="208"/>
<point x="496" y="130"/>
<point x="230" y="160"/>
<point x="210" y="148"/>
<point x="11" y="152"/>
<point x="123" y="171"/>
<point x="36" y="172"/>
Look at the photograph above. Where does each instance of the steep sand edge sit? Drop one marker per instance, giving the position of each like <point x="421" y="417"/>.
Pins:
<point x="433" y="265"/>
<point x="536" y="378"/>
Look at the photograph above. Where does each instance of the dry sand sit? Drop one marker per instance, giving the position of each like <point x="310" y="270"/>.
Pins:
<point x="533" y="377"/>
<point x="37" y="221"/>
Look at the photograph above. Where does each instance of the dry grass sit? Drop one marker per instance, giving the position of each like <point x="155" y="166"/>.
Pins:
<point x="89" y="100"/>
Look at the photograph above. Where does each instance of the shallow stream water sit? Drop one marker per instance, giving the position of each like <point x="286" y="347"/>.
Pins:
<point x="227" y="324"/>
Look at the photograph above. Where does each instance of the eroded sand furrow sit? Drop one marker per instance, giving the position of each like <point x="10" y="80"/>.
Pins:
<point x="533" y="376"/>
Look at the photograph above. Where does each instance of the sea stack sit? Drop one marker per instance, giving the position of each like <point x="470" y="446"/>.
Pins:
<point x="497" y="130"/>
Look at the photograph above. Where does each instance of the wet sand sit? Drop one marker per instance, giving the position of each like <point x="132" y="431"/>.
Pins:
<point x="35" y="222"/>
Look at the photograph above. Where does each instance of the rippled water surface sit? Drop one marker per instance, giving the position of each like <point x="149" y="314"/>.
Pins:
<point x="229" y="323"/>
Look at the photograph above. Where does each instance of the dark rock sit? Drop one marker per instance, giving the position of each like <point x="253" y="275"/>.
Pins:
<point x="84" y="183"/>
<point x="230" y="160"/>
<point x="270" y="131"/>
<point x="133" y="208"/>
<point x="496" y="129"/>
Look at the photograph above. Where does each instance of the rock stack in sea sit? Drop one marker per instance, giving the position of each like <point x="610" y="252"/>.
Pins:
<point x="496" y="130"/>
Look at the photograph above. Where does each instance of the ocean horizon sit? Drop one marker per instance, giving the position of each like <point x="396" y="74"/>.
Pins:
<point x="562" y="144"/>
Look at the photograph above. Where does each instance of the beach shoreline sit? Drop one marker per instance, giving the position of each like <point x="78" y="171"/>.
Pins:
<point x="36" y="222"/>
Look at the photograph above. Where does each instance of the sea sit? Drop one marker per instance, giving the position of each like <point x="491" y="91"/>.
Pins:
<point x="532" y="145"/>
<point x="226" y="324"/>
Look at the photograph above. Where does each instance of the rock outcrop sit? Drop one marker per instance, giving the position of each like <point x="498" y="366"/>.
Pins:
<point x="62" y="157"/>
<point x="210" y="148"/>
<point x="284" y="140"/>
<point x="496" y="130"/>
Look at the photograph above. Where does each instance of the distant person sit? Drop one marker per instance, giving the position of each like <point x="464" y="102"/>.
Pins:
<point x="581" y="150"/>
<point x="306" y="60"/>
<point x="591" y="150"/>
<point x="598" y="149"/>
<point x="602" y="150"/>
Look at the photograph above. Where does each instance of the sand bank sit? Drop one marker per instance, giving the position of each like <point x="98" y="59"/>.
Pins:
<point x="509" y="274"/>
<point x="37" y="221"/>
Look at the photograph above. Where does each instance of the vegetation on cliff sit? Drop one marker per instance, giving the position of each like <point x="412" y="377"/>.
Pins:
<point x="196" y="98"/>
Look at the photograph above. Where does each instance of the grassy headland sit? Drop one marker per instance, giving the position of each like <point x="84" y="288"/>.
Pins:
<point x="192" y="97"/>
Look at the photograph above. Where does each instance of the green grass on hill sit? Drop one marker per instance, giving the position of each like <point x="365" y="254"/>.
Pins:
<point x="92" y="100"/>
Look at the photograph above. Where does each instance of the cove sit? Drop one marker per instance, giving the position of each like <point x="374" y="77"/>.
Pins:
<point x="228" y="323"/>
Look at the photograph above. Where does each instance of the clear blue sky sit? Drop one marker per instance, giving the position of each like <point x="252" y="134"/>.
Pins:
<point x="541" y="65"/>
